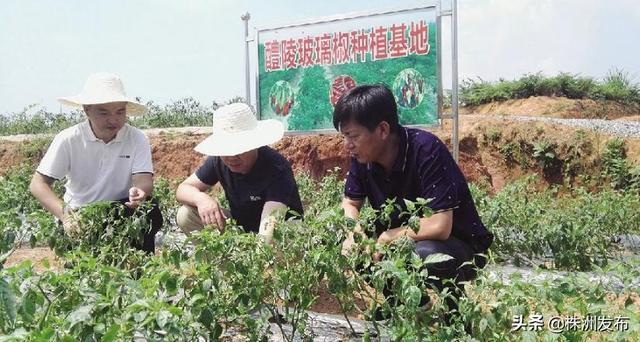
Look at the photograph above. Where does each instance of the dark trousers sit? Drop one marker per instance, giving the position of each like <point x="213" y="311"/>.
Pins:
<point x="153" y="218"/>
<point x="460" y="251"/>
<point x="449" y="273"/>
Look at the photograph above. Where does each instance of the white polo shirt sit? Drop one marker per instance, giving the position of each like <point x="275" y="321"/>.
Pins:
<point x="94" y="170"/>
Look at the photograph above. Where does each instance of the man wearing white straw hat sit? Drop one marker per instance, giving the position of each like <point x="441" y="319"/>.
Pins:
<point x="257" y="180"/>
<point x="102" y="158"/>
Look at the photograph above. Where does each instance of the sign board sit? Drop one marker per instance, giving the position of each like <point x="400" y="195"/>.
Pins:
<point x="304" y="68"/>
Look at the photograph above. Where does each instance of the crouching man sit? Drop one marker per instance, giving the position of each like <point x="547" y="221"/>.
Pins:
<point x="257" y="180"/>
<point x="389" y="161"/>
<point x="102" y="158"/>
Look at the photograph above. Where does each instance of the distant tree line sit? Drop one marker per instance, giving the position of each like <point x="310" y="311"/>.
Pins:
<point x="179" y="113"/>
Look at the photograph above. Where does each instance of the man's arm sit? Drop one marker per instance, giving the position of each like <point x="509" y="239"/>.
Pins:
<point x="436" y="227"/>
<point x="267" y="219"/>
<point x="352" y="207"/>
<point x="144" y="182"/>
<point x="192" y="191"/>
<point x="41" y="189"/>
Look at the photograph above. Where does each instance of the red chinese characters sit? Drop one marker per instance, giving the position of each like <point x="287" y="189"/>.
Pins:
<point x="289" y="54"/>
<point x="398" y="44"/>
<point x="357" y="46"/>
<point x="341" y="48"/>
<point x="272" y="58"/>
<point x="306" y="46"/>
<point x="419" y="34"/>
<point x="324" y="54"/>
<point x="379" y="43"/>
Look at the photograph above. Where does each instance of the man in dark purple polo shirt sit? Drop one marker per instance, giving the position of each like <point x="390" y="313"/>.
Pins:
<point x="390" y="161"/>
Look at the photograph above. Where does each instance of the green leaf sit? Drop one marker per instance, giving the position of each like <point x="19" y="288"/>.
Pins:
<point x="29" y="305"/>
<point x="483" y="325"/>
<point x="162" y="318"/>
<point x="206" y="317"/>
<point x="8" y="301"/>
<point x="45" y="335"/>
<point x="437" y="258"/>
<point x="81" y="314"/>
<point x="412" y="296"/>
<point x="172" y="285"/>
<point x="206" y="285"/>
<point x="529" y="336"/>
<point x="216" y="332"/>
<point x="111" y="334"/>
<point x="139" y="316"/>
<point x="411" y="206"/>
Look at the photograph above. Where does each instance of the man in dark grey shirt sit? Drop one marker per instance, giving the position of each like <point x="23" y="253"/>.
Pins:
<point x="257" y="180"/>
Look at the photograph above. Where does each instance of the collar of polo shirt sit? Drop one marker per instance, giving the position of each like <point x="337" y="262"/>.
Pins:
<point x="403" y="149"/>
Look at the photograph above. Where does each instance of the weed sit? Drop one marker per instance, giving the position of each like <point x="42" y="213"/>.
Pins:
<point x="544" y="154"/>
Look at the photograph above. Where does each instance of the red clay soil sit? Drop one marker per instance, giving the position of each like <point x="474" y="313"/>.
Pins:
<point x="42" y="259"/>
<point x="558" y="107"/>
<point x="315" y="155"/>
<point x="174" y="157"/>
<point x="10" y="156"/>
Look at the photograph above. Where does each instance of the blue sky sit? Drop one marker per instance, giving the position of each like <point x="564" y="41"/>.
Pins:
<point x="166" y="50"/>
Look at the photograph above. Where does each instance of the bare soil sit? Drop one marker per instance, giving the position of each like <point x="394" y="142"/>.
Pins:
<point x="42" y="259"/>
<point x="557" y="107"/>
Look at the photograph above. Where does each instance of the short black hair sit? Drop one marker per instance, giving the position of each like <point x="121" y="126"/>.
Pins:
<point x="367" y="105"/>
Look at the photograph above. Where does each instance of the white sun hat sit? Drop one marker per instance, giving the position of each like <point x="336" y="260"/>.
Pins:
<point x="103" y="87"/>
<point x="236" y="130"/>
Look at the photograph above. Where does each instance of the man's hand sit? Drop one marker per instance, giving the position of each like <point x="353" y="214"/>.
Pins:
<point x="136" y="196"/>
<point x="347" y="245"/>
<point x="211" y="213"/>
<point x="70" y="223"/>
<point x="383" y="239"/>
<point x="377" y="256"/>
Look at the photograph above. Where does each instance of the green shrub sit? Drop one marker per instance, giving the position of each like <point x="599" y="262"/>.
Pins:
<point x="616" y="168"/>
<point x="616" y="86"/>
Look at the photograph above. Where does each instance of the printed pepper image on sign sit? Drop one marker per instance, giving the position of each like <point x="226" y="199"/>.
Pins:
<point x="281" y="98"/>
<point x="409" y="88"/>
<point x="339" y="86"/>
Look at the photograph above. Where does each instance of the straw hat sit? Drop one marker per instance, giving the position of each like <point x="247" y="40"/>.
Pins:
<point x="236" y="130"/>
<point x="103" y="87"/>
